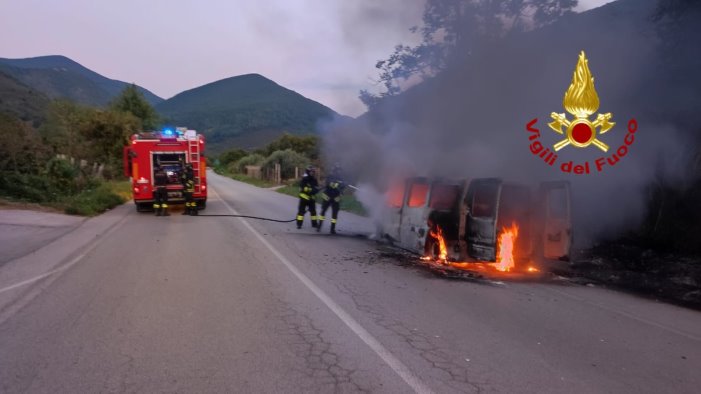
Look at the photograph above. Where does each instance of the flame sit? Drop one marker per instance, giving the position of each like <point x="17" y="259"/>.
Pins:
<point x="505" y="248"/>
<point x="438" y="236"/>
<point x="505" y="252"/>
<point x="581" y="99"/>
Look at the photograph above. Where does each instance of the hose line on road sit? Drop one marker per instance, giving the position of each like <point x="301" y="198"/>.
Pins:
<point x="255" y="217"/>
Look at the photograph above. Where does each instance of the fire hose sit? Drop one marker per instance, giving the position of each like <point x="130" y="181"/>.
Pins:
<point x="252" y="217"/>
<point x="262" y="218"/>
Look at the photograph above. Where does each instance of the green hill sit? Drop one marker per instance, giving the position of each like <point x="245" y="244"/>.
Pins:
<point x="61" y="77"/>
<point x="20" y="100"/>
<point x="246" y="111"/>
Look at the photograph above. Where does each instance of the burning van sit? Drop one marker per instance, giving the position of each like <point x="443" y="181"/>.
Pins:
<point x="481" y="220"/>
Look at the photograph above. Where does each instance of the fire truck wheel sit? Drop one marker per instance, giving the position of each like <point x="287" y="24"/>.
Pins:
<point x="201" y="205"/>
<point x="144" y="207"/>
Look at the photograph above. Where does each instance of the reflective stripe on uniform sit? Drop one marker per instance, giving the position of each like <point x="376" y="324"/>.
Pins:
<point x="337" y="199"/>
<point x="164" y="206"/>
<point x="333" y="221"/>
<point x="315" y="217"/>
<point x="300" y="217"/>
<point x="304" y="196"/>
<point x="324" y="196"/>
<point x="156" y="205"/>
<point x="321" y="217"/>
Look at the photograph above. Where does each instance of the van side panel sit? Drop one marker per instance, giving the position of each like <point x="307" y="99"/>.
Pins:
<point x="557" y="219"/>
<point x="481" y="235"/>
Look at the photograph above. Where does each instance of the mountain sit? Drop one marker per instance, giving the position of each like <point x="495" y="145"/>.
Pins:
<point x="61" y="77"/>
<point x="20" y="100"/>
<point x="245" y="111"/>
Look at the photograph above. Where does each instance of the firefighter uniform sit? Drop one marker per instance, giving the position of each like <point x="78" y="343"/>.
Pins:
<point x="160" y="193"/>
<point x="331" y="197"/>
<point x="308" y="187"/>
<point x="188" y="181"/>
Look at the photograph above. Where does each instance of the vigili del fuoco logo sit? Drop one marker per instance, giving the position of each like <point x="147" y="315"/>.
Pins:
<point x="581" y="101"/>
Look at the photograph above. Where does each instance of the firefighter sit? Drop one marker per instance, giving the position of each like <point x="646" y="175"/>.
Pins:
<point x="331" y="196"/>
<point x="308" y="187"/>
<point x="188" y="181"/>
<point x="160" y="193"/>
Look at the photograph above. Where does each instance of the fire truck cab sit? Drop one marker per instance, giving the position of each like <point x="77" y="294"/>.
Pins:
<point x="471" y="214"/>
<point x="171" y="149"/>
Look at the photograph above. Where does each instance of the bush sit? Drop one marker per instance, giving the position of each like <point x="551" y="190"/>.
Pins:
<point x="232" y="156"/>
<point x="34" y="188"/>
<point x="288" y="160"/>
<point x="307" y="145"/>
<point x="62" y="175"/>
<point x="250" y="160"/>
<point x="93" y="201"/>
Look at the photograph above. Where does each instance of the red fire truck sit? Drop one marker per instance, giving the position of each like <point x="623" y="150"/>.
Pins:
<point x="171" y="149"/>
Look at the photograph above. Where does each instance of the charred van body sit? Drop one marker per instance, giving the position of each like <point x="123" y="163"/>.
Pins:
<point x="471" y="215"/>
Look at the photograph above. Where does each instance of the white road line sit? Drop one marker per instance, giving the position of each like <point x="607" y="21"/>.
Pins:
<point x="67" y="265"/>
<point x="397" y="366"/>
<point x="42" y="276"/>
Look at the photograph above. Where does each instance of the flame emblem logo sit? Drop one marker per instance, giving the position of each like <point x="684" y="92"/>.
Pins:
<point x="581" y="101"/>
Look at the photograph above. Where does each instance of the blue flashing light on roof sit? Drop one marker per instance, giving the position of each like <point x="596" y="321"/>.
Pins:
<point x="167" y="132"/>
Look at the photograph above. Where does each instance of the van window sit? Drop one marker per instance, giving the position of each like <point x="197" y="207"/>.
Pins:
<point x="515" y="202"/>
<point x="557" y="203"/>
<point x="443" y="196"/>
<point x="417" y="194"/>
<point x="395" y="195"/>
<point x="485" y="200"/>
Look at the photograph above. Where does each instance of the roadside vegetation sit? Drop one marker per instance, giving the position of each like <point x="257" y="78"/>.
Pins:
<point x="348" y="201"/>
<point x="71" y="158"/>
<point x="292" y="154"/>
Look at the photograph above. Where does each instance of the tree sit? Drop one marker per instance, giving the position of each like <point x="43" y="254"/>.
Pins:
<point x="231" y="156"/>
<point x="107" y="133"/>
<point x="451" y="27"/>
<point x="253" y="159"/>
<point x="288" y="159"/>
<point x="307" y="145"/>
<point x="61" y="131"/>
<point x="21" y="149"/>
<point x="131" y="100"/>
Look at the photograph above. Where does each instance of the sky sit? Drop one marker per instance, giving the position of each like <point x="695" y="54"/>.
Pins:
<point x="323" y="49"/>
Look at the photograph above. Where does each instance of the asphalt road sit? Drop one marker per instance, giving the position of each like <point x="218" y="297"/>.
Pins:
<point x="129" y="302"/>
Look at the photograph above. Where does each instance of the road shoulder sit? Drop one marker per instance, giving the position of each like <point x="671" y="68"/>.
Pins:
<point x="20" y="275"/>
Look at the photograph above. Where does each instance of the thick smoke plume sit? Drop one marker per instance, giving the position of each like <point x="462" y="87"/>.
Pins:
<point x="470" y="120"/>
